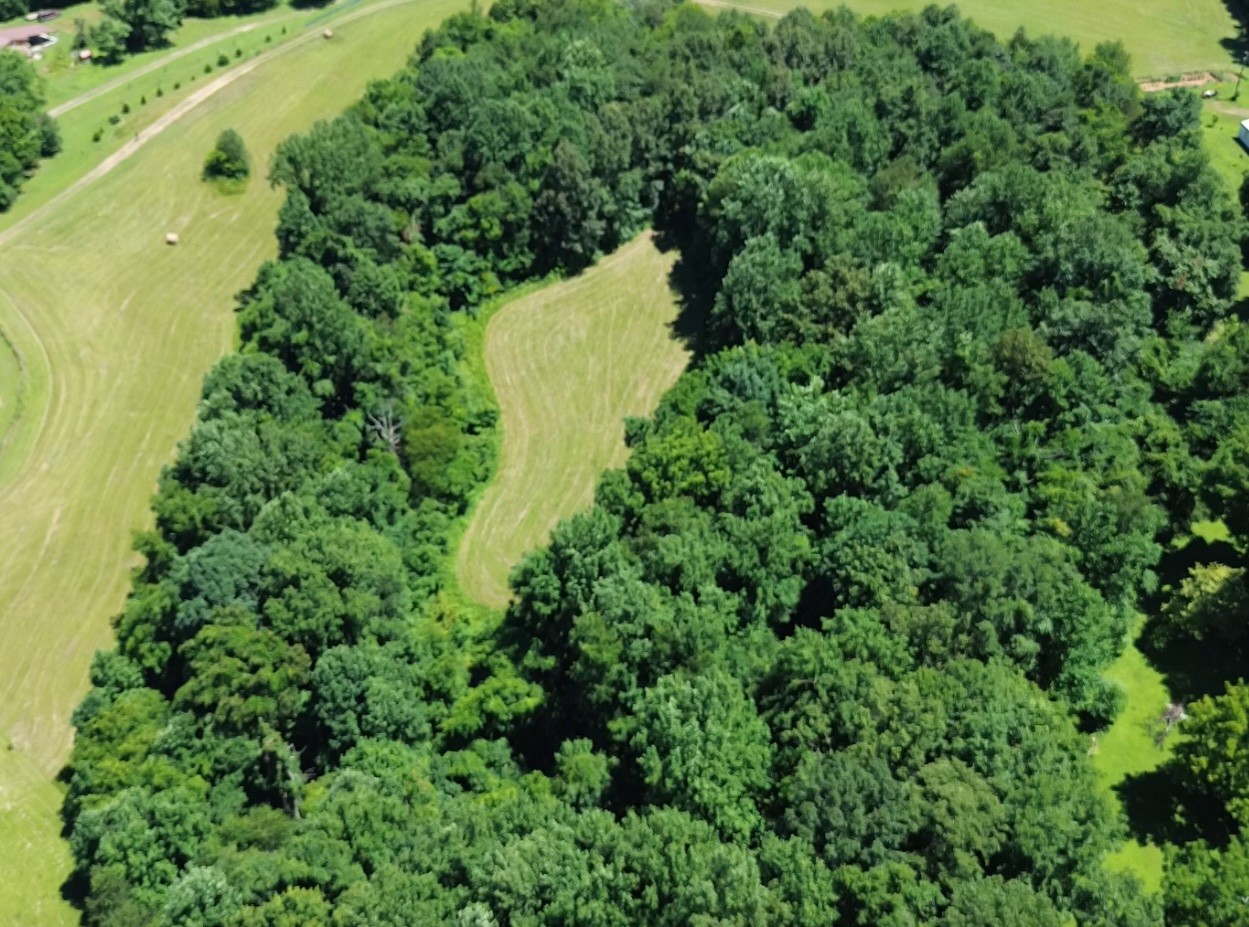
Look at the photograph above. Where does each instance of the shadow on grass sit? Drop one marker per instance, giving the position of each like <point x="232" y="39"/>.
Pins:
<point x="1239" y="45"/>
<point x="1175" y="564"/>
<point x="1191" y="668"/>
<point x="1240" y="309"/>
<point x="689" y="283"/>
<point x="74" y="890"/>
<point x="1162" y="808"/>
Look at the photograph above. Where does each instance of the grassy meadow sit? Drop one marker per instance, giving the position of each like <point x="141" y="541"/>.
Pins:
<point x="568" y="363"/>
<point x="1128" y="748"/>
<point x="10" y="388"/>
<point x="33" y="857"/>
<point x="112" y="106"/>
<point x="113" y="331"/>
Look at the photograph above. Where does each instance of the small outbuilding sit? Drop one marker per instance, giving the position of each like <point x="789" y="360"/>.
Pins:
<point x="1243" y="135"/>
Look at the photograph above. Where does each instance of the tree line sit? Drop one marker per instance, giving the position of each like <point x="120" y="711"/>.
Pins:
<point x="27" y="134"/>
<point x="131" y="26"/>
<point x="828" y="649"/>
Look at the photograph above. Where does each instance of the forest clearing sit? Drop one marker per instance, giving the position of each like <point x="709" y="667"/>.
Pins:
<point x="568" y="364"/>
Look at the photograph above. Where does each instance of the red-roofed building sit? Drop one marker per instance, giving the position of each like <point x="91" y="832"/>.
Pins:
<point x="26" y="39"/>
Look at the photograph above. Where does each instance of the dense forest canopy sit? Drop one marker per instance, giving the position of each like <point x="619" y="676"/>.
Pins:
<point x="828" y="649"/>
<point x="26" y="132"/>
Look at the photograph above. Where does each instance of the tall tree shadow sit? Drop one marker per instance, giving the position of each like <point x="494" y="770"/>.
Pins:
<point x="1238" y="45"/>
<point x="1161" y="807"/>
<point x="690" y="282"/>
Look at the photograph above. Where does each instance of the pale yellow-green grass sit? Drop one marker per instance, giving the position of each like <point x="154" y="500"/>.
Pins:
<point x="114" y="331"/>
<point x="1128" y="748"/>
<point x="568" y="363"/>
<point x="32" y="856"/>
<point x="1162" y="36"/>
<point x="10" y="386"/>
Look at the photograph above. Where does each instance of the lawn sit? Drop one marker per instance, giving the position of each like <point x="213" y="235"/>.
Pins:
<point x="114" y="334"/>
<point x="1220" y="123"/>
<point x="1128" y="748"/>
<point x="1163" y="36"/>
<point x="567" y="363"/>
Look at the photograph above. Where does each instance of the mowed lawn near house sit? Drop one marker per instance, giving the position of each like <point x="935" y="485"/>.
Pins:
<point x="113" y="331"/>
<point x="568" y="363"/>
<point x="1163" y="36"/>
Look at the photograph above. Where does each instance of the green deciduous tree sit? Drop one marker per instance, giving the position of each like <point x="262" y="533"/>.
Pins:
<point x="229" y="159"/>
<point x="1215" y="750"/>
<point x="1206" y="887"/>
<point x="147" y="24"/>
<point x="702" y="748"/>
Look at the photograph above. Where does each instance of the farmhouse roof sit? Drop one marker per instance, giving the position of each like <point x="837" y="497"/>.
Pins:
<point x="21" y="34"/>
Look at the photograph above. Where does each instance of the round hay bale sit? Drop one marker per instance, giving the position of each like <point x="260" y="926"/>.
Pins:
<point x="328" y="33"/>
<point x="171" y="238"/>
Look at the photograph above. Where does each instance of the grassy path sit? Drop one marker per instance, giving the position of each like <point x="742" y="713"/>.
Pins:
<point x="1163" y="36"/>
<point x="113" y="332"/>
<point x="568" y="364"/>
<point x="1127" y="748"/>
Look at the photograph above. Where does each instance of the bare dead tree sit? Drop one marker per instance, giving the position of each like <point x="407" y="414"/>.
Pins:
<point x="1172" y="715"/>
<point x="386" y="428"/>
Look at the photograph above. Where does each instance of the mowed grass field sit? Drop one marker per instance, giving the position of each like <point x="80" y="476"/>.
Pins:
<point x="10" y="387"/>
<point x="1128" y="748"/>
<point x="113" y="332"/>
<point x="1163" y="36"/>
<point x="568" y="363"/>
